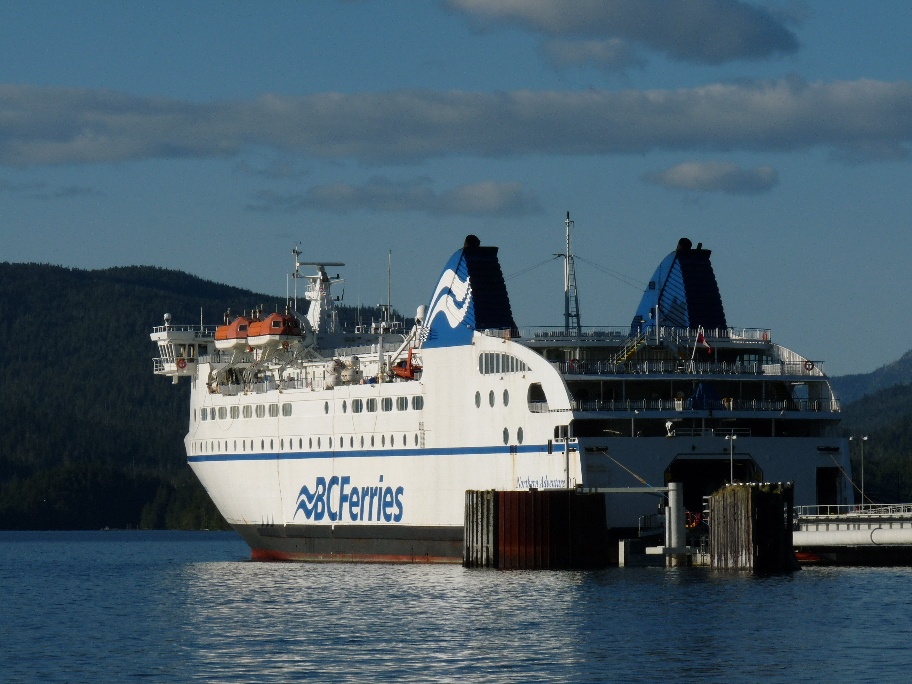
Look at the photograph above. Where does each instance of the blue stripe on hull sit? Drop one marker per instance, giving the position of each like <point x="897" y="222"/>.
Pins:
<point x="372" y="453"/>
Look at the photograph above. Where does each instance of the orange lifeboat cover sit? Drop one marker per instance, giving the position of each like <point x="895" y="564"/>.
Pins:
<point x="236" y="330"/>
<point x="275" y="324"/>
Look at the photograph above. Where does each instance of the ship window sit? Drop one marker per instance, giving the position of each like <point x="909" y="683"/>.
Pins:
<point x="248" y="411"/>
<point x="273" y="410"/>
<point x="491" y="397"/>
<point x="300" y="443"/>
<point x="351" y="442"/>
<point x="203" y="350"/>
<point x="383" y="440"/>
<point x="506" y="398"/>
<point x="477" y="399"/>
<point x="386" y="404"/>
<point x="286" y="410"/>
<point x="519" y="435"/>
<point x="506" y="436"/>
<point x="357" y="406"/>
<point x="262" y="445"/>
<point x="271" y="447"/>
<point x="371" y="406"/>
<point x="326" y="407"/>
<point x="235" y="445"/>
<point x="242" y="328"/>
<point x="416" y="439"/>
<point x="372" y="440"/>
<point x="318" y="442"/>
<point x="222" y="413"/>
<point x="310" y="442"/>
<point x="330" y="442"/>
<point x="235" y="412"/>
<point x="243" y="445"/>
<point x="282" y="444"/>
<point x="344" y="406"/>
<point x="194" y="415"/>
<point x="401" y="403"/>
<point x="362" y="441"/>
<point x="392" y="440"/>
<point x="481" y="360"/>
<point x="260" y="411"/>
<point x="277" y="324"/>
<point x="417" y="403"/>
<point x="204" y="414"/>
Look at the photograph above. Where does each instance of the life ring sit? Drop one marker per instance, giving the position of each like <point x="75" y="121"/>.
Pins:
<point x="766" y="336"/>
<point x="808" y="365"/>
<point x="182" y="363"/>
<point x="574" y="364"/>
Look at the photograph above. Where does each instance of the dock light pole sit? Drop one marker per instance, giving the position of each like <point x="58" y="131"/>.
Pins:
<point x="862" y="439"/>
<point x="731" y="457"/>
<point x="631" y="422"/>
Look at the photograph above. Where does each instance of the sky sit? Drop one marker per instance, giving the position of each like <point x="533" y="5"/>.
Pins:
<point x="212" y="137"/>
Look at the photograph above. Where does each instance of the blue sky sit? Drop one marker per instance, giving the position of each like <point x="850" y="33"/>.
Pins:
<point x="212" y="136"/>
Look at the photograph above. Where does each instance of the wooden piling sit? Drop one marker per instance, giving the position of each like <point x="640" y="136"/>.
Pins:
<point x="751" y="528"/>
<point x="535" y="530"/>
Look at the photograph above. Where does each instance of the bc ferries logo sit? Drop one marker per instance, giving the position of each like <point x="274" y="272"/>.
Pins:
<point x="338" y="501"/>
<point x="451" y="314"/>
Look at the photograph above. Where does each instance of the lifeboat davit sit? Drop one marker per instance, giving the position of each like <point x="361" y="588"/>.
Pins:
<point x="274" y="331"/>
<point x="234" y="335"/>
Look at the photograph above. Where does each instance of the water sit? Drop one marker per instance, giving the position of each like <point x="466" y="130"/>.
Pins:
<point x="185" y="607"/>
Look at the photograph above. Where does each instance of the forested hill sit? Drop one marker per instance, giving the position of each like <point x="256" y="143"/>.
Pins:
<point x="851" y="387"/>
<point x="91" y="437"/>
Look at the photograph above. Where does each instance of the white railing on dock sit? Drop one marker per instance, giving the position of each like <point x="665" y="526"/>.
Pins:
<point x="854" y="510"/>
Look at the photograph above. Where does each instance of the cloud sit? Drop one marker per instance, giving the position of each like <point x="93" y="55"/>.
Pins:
<point x="716" y="176"/>
<point x="39" y="190"/>
<point x="49" y="125"/>
<point x="608" y="55"/>
<point x="700" y="31"/>
<point x="487" y="198"/>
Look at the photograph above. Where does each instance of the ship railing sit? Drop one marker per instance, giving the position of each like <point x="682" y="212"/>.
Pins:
<point x="366" y="349"/>
<point x="619" y="333"/>
<point x="712" y="432"/>
<point x="538" y="407"/>
<point x="200" y="331"/>
<point x="696" y="404"/>
<point x="576" y="367"/>
<point x="873" y="510"/>
<point x="502" y="333"/>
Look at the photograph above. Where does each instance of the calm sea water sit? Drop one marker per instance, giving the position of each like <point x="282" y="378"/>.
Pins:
<point x="184" y="607"/>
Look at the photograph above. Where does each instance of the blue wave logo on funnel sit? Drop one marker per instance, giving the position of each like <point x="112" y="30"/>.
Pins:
<point x="450" y="320"/>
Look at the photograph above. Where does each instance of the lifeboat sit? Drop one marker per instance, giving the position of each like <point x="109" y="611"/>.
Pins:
<point x="234" y="335"/>
<point x="274" y="331"/>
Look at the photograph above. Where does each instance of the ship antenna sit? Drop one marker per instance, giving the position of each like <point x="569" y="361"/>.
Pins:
<point x="571" y="298"/>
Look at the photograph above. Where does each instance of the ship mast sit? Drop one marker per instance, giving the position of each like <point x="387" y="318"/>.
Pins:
<point x="571" y="298"/>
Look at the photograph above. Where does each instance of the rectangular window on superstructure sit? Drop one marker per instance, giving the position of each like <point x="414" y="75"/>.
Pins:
<point x="204" y="414"/>
<point x="286" y="410"/>
<point x="371" y="405"/>
<point x="260" y="411"/>
<point x="273" y="410"/>
<point x="357" y="406"/>
<point x="386" y="404"/>
<point x="222" y="412"/>
<point x="402" y="403"/>
<point x="248" y="411"/>
<point x="235" y="412"/>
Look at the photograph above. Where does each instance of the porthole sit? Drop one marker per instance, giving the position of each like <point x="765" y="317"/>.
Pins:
<point x="262" y="445"/>
<point x="310" y="442"/>
<point x="351" y="442"/>
<point x="244" y="445"/>
<point x="330" y="442"/>
<point x="282" y="444"/>
<point x="519" y="435"/>
<point x="344" y="406"/>
<point x="235" y="412"/>
<point x="273" y="410"/>
<point x="491" y="398"/>
<point x="506" y="398"/>
<point x="248" y="411"/>
<point x="417" y="403"/>
<point x="326" y="407"/>
<point x="286" y="410"/>
<point x="318" y="442"/>
<point x="260" y="411"/>
<point x="271" y="447"/>
<point x="300" y="443"/>
<point x="362" y="441"/>
<point x="477" y="399"/>
<point x="506" y="436"/>
<point x="383" y="441"/>
<point x="416" y="439"/>
<point x="235" y="445"/>
<point x="372" y="440"/>
<point x="392" y="440"/>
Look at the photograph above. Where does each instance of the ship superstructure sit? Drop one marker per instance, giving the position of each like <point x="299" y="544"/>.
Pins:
<point x="319" y="444"/>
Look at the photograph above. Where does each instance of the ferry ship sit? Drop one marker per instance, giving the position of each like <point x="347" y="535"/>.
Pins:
<point x="322" y="444"/>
